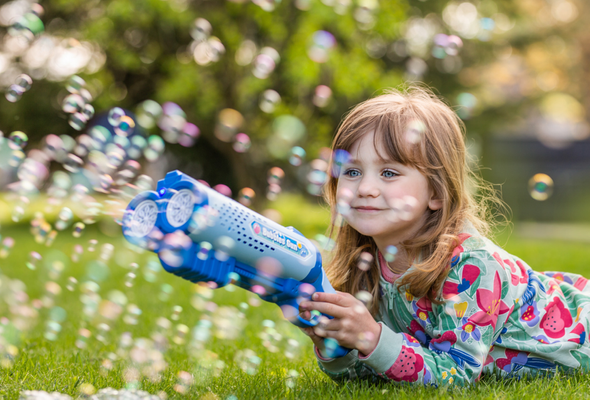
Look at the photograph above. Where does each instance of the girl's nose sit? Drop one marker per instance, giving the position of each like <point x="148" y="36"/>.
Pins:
<point x="368" y="187"/>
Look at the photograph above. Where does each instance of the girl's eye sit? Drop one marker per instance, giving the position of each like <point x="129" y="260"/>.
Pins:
<point x="389" y="174"/>
<point x="353" y="173"/>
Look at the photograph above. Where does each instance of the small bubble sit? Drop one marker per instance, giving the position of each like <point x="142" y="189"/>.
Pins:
<point x="245" y="196"/>
<point x="17" y="140"/>
<point x="223" y="189"/>
<point x="24" y="81"/>
<point x="78" y="229"/>
<point x="269" y="101"/>
<point x="541" y="187"/>
<point x="415" y="131"/>
<point x="73" y="103"/>
<point x="78" y="121"/>
<point x="390" y="252"/>
<point x="129" y="279"/>
<point x="115" y="115"/>
<point x="322" y="96"/>
<point x="296" y="156"/>
<point x="275" y="176"/>
<point x="75" y="84"/>
<point x="364" y="297"/>
<point x="125" y="126"/>
<point x="241" y="143"/>
<point x="34" y="259"/>
<point x="73" y="163"/>
<point x="72" y="283"/>
<point x="365" y="261"/>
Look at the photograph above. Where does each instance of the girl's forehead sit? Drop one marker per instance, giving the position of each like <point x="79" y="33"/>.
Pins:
<point x="371" y="145"/>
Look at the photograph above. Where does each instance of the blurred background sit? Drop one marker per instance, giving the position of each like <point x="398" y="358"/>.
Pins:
<point x="104" y="97"/>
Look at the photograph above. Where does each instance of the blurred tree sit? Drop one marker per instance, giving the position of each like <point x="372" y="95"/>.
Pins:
<point x="490" y="59"/>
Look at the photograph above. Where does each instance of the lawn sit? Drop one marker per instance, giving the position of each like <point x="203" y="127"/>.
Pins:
<point x="168" y="337"/>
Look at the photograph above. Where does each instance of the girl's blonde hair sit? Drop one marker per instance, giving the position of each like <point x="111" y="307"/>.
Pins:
<point x="440" y="155"/>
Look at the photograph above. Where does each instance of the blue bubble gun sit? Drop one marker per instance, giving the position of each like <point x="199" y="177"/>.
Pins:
<point x="203" y="236"/>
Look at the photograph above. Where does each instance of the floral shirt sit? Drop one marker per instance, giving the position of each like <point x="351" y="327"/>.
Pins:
<point x="499" y="316"/>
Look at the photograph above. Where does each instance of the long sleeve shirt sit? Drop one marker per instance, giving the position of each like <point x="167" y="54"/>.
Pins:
<point x="498" y="316"/>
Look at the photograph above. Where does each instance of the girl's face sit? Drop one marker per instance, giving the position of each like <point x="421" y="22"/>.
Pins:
<point x="388" y="201"/>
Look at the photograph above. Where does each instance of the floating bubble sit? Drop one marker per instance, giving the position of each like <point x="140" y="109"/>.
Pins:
<point x="223" y="189"/>
<point x="390" y="252"/>
<point x="343" y="200"/>
<point x="263" y="66"/>
<point x="7" y="245"/>
<point x="115" y="115"/>
<point x="365" y="261"/>
<point x="148" y="112"/>
<point x="364" y="297"/>
<point x="64" y="219"/>
<point x="269" y="101"/>
<point x="201" y="29"/>
<point x="247" y="361"/>
<point x="23" y="81"/>
<point x="322" y="96"/>
<point x="155" y="148"/>
<point x="73" y="103"/>
<point x="78" y="229"/>
<point x="205" y="248"/>
<point x="14" y="93"/>
<point x="88" y="111"/>
<point x="189" y="134"/>
<point x="275" y="176"/>
<point x="16" y="158"/>
<point x="125" y="125"/>
<point x="97" y="270"/>
<point x="541" y="187"/>
<point x="245" y="196"/>
<point x="228" y="122"/>
<point x="241" y="143"/>
<point x="17" y="140"/>
<point x="92" y="245"/>
<point x="34" y="259"/>
<point x="272" y="191"/>
<point x="129" y="279"/>
<point x="289" y="128"/>
<point x="321" y="44"/>
<point x="78" y="121"/>
<point x="415" y="131"/>
<point x="296" y="156"/>
<point x="75" y="84"/>
<point x="72" y="283"/>
<point x="73" y="163"/>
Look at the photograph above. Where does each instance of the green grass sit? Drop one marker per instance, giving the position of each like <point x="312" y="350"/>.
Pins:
<point x="59" y="365"/>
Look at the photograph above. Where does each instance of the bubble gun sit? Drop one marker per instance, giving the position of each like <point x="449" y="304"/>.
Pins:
<point x="203" y="236"/>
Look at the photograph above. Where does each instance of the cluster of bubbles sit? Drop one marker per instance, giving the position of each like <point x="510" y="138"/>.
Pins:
<point x="205" y="49"/>
<point x="77" y="103"/>
<point x="22" y="83"/>
<point x="29" y="24"/>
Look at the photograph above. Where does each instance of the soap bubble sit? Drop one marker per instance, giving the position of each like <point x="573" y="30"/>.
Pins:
<point x="415" y="131"/>
<point x="24" y="81"/>
<point x="296" y="156"/>
<point x="148" y="112"/>
<point x="541" y="187"/>
<point x="241" y="143"/>
<point x="14" y="93"/>
<point x="343" y="200"/>
<point x="64" y="219"/>
<point x="115" y="115"/>
<point x="322" y="96"/>
<point x="273" y="191"/>
<point x="125" y="125"/>
<point x="390" y="252"/>
<point x="247" y="361"/>
<point x="189" y="134"/>
<point x="228" y="122"/>
<point x="17" y="140"/>
<point x="269" y="101"/>
<point x="78" y="229"/>
<point x="75" y="84"/>
<point x="275" y="175"/>
<point x="201" y="29"/>
<point x="245" y="196"/>
<point x="34" y="259"/>
<point x="73" y="103"/>
<point x="365" y="261"/>
<point x="223" y="189"/>
<point x="321" y="44"/>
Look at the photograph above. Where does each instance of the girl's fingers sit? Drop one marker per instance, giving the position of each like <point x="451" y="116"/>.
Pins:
<point x="326" y="308"/>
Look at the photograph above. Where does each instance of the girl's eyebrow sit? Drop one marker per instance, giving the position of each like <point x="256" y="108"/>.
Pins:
<point x="381" y="160"/>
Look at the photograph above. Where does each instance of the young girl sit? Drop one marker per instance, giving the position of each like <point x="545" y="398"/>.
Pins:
<point x="450" y="305"/>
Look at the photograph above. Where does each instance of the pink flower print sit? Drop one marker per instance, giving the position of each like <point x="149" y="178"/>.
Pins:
<point x="444" y="342"/>
<point x="469" y="274"/>
<point x="580" y="283"/>
<point x="456" y="255"/>
<point x="559" y="276"/>
<point x="410" y="340"/>
<point x="490" y="304"/>
<point x="529" y="313"/>
<point x="554" y="287"/>
<point x="581" y="332"/>
<point x="421" y="309"/>
<point x="512" y="357"/>
<point x="406" y="367"/>
<point x="418" y="332"/>
<point x="469" y="330"/>
<point x="556" y="319"/>
<point x="543" y="339"/>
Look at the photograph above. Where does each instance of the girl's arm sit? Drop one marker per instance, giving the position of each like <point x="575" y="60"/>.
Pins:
<point x="478" y="300"/>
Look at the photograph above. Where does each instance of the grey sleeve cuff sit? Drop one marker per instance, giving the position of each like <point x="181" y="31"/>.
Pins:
<point x="386" y="352"/>
<point x="339" y="364"/>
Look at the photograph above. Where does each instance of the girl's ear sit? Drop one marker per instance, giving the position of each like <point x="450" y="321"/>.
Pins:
<point x="435" y="204"/>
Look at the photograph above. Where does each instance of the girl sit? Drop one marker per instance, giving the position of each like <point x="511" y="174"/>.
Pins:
<point x="450" y="305"/>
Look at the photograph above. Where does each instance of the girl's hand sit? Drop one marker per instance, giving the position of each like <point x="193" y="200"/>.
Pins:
<point x="353" y="326"/>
